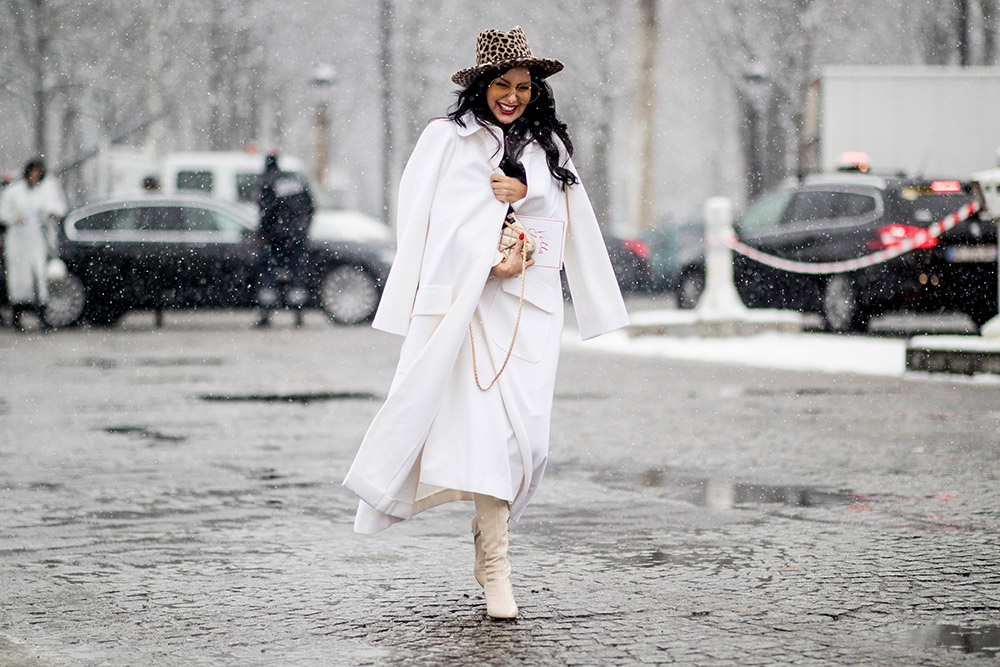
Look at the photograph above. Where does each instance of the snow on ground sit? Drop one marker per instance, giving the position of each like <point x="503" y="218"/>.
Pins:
<point x="814" y="351"/>
<point x="828" y="353"/>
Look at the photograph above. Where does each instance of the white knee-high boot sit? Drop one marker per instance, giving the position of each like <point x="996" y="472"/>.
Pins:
<point x="491" y="520"/>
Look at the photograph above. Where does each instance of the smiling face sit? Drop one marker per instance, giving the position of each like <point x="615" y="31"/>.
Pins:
<point x="505" y="105"/>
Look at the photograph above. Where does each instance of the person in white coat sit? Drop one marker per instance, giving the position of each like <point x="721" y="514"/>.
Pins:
<point x="446" y="431"/>
<point x="28" y="208"/>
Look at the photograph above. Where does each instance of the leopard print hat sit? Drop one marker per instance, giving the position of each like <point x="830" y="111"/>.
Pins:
<point x="496" y="48"/>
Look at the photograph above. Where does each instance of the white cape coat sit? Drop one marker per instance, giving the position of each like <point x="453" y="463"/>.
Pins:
<point x="438" y="437"/>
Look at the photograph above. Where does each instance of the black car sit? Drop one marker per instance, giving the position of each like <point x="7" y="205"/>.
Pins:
<point x="191" y="251"/>
<point x="631" y="262"/>
<point x="832" y="218"/>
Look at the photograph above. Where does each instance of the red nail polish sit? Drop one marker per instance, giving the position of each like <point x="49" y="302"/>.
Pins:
<point x="521" y="237"/>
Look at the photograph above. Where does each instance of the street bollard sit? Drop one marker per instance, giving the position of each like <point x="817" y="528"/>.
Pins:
<point x="719" y="300"/>
<point x="986" y="186"/>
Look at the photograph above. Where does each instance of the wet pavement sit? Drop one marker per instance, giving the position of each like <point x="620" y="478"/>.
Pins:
<point x="173" y="497"/>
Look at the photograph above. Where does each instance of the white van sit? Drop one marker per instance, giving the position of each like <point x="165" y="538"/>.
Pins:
<point x="232" y="176"/>
<point x="228" y="175"/>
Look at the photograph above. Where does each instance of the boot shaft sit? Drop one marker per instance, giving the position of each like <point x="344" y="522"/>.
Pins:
<point x="491" y="519"/>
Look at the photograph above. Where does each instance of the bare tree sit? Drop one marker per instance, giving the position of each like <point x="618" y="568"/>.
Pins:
<point x="990" y="11"/>
<point x="33" y="20"/>
<point x="768" y="50"/>
<point x="235" y="65"/>
<point x="59" y="71"/>
<point x="962" y="32"/>
<point x="607" y="28"/>
<point x="385" y="52"/>
<point x="648" y="29"/>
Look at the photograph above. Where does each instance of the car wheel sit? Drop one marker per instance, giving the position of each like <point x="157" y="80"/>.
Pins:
<point x="690" y="287"/>
<point x="67" y="299"/>
<point x="841" y="310"/>
<point x="348" y="294"/>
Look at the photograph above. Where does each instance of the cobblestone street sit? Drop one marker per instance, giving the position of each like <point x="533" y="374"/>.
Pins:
<point x="172" y="497"/>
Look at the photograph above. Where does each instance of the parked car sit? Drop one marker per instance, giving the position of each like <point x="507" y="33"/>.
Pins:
<point x="667" y="244"/>
<point x="829" y="218"/>
<point x="192" y="251"/>
<point x="630" y="260"/>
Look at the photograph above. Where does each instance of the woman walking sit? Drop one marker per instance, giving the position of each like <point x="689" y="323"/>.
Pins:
<point x="28" y="209"/>
<point x="467" y="415"/>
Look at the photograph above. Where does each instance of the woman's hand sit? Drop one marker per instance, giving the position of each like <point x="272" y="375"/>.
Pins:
<point x="507" y="189"/>
<point x="514" y="265"/>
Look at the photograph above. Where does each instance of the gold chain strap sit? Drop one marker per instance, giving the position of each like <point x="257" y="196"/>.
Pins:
<point x="513" y="338"/>
<point x="517" y="322"/>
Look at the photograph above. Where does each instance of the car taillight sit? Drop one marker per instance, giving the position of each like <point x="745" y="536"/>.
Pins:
<point x="893" y="235"/>
<point x="945" y="186"/>
<point x="638" y="247"/>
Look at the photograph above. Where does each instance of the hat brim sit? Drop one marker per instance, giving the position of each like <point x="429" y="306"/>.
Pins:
<point x="545" y="66"/>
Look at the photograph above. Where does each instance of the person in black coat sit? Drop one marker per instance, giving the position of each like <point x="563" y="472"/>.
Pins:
<point x="286" y="209"/>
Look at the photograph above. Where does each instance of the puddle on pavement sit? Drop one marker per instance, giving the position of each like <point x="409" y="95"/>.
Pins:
<point x="580" y="396"/>
<point x="183" y="361"/>
<point x="724" y="493"/>
<point x="808" y="391"/>
<point x="983" y="640"/>
<point x="651" y="553"/>
<point x="679" y="556"/>
<point x="104" y="363"/>
<point x="46" y="486"/>
<point x="107" y="363"/>
<point x="301" y="398"/>
<point x="272" y="476"/>
<point x="144" y="433"/>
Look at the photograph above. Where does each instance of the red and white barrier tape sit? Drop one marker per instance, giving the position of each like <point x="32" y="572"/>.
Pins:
<point x="905" y="246"/>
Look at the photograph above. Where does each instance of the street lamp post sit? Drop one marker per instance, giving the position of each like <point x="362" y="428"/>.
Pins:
<point x="322" y="81"/>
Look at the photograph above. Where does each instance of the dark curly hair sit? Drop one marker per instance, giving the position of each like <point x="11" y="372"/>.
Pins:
<point x="538" y="122"/>
<point x="35" y="163"/>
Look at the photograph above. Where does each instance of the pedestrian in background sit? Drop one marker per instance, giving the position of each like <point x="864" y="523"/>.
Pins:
<point x="6" y="179"/>
<point x="29" y="210"/>
<point x="286" y="209"/>
<point x="446" y="431"/>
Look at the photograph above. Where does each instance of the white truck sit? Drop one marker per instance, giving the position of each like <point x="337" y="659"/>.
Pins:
<point x="229" y="175"/>
<point x="922" y="120"/>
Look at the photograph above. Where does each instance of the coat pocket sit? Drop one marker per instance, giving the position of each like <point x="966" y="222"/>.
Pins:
<point x="432" y="300"/>
<point x="430" y="305"/>
<point x="536" y="291"/>
<point x="540" y="302"/>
